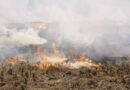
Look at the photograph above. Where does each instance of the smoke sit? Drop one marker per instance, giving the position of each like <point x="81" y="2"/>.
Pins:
<point x="100" y="26"/>
<point x="12" y="39"/>
<point x="20" y="38"/>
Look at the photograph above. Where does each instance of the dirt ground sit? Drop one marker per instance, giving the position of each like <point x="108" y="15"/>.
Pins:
<point x="24" y="76"/>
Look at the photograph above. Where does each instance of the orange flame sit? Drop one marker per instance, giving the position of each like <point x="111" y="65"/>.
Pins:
<point x="56" y="52"/>
<point x="12" y="63"/>
<point x="47" y="61"/>
<point x="40" y="54"/>
<point x="38" y="51"/>
<point x="40" y="26"/>
<point x="14" y="60"/>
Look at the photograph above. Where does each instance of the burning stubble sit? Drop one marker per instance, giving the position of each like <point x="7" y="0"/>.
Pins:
<point x="51" y="44"/>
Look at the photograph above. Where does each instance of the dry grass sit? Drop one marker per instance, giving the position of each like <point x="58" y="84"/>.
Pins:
<point x="24" y="76"/>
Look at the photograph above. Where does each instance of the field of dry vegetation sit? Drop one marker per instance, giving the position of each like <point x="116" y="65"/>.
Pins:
<point x="24" y="76"/>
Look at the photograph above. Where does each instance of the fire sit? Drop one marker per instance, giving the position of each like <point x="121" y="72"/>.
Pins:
<point x="14" y="60"/>
<point x="46" y="60"/>
<point x="40" y="26"/>
<point x="50" y="59"/>
<point x="38" y="51"/>
<point x="55" y="59"/>
<point x="12" y="63"/>
<point x="42" y="58"/>
<point x="56" y="52"/>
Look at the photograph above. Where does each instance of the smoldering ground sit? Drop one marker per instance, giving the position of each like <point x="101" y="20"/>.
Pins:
<point x="99" y="28"/>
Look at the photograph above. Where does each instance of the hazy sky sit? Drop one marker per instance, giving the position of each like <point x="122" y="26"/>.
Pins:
<point x="20" y="9"/>
<point x="101" y="24"/>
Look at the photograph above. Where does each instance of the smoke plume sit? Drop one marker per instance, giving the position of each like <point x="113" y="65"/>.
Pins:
<point x="100" y="27"/>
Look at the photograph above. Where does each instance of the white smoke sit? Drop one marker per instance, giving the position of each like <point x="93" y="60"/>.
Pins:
<point x="102" y="25"/>
<point x="12" y="39"/>
<point x="20" y="38"/>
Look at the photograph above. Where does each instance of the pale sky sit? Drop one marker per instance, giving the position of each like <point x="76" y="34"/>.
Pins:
<point x="81" y="22"/>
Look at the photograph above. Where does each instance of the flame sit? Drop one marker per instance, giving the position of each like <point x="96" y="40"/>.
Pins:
<point x="46" y="60"/>
<point x="56" y="52"/>
<point x="40" y="26"/>
<point x="42" y="58"/>
<point x="38" y="51"/>
<point x="51" y="59"/>
<point x="55" y="58"/>
<point x="13" y="60"/>
<point x="12" y="63"/>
